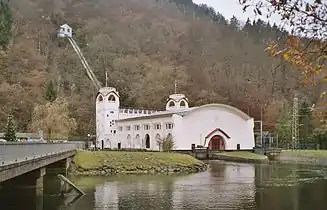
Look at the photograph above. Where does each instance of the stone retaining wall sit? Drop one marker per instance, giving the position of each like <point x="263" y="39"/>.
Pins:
<point x="108" y="171"/>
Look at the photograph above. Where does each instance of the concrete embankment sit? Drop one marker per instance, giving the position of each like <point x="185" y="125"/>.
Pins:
<point x="240" y="156"/>
<point x="107" y="163"/>
<point x="316" y="157"/>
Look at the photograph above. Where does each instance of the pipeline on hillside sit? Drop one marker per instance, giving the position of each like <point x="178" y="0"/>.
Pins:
<point x="88" y="69"/>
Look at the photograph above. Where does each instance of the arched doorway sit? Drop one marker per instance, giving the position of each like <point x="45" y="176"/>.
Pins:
<point x="147" y="141"/>
<point x="102" y="144"/>
<point x="217" y="143"/>
<point x="138" y="144"/>
<point x="129" y="142"/>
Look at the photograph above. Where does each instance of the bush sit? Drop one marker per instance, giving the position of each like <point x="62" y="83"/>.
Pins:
<point x="167" y="144"/>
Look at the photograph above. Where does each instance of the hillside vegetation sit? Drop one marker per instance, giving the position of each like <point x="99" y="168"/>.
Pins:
<point x="144" y="46"/>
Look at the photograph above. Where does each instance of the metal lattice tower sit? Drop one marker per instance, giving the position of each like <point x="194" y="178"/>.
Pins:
<point x="295" y="123"/>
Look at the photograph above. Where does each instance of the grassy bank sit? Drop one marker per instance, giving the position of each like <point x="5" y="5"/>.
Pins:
<point x="119" y="162"/>
<point x="305" y="153"/>
<point x="242" y="156"/>
<point x="318" y="157"/>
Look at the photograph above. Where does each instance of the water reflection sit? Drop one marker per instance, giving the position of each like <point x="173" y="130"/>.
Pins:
<point x="225" y="186"/>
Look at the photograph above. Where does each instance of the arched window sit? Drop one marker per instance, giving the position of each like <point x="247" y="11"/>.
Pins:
<point x="171" y="104"/>
<point x="138" y="142"/>
<point x="100" y="98"/>
<point x="111" y="98"/>
<point x="182" y="104"/>
<point x="129" y="142"/>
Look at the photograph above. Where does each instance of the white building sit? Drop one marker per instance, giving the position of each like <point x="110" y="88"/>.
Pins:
<point x="217" y="126"/>
<point x="65" y="30"/>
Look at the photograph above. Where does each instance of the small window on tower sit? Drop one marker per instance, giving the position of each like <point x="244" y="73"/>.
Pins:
<point x="100" y="98"/>
<point x="111" y="98"/>
<point x="182" y="104"/>
<point x="171" y="104"/>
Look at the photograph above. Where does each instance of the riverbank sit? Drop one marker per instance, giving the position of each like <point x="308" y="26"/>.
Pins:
<point x="241" y="156"/>
<point x="106" y="163"/>
<point x="316" y="157"/>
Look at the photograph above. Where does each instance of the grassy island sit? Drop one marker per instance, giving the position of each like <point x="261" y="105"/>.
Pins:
<point x="120" y="162"/>
<point x="242" y="156"/>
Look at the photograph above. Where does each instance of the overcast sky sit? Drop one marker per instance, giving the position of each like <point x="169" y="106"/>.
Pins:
<point x="228" y="8"/>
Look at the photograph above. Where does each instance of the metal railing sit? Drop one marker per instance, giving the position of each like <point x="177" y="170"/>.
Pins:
<point x="15" y="152"/>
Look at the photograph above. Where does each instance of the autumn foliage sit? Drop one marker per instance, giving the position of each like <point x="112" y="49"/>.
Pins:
<point x="144" y="46"/>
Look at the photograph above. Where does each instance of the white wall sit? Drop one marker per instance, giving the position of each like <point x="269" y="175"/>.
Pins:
<point x="197" y="124"/>
<point x="163" y="132"/>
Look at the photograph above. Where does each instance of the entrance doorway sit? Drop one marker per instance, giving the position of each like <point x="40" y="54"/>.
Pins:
<point x="217" y="143"/>
<point x="147" y="141"/>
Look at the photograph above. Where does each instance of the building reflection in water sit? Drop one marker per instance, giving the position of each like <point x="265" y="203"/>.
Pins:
<point x="223" y="187"/>
<point x="151" y="193"/>
<point x="106" y="196"/>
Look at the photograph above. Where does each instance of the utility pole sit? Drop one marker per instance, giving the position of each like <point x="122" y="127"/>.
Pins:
<point x="295" y="123"/>
<point x="106" y="79"/>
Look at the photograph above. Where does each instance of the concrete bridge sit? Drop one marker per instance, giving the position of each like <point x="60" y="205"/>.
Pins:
<point x="18" y="158"/>
<point x="24" y="164"/>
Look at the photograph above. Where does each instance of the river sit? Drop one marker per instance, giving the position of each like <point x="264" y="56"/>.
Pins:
<point x="226" y="185"/>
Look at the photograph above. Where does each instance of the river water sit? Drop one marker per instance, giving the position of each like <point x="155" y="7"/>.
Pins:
<point x="226" y="185"/>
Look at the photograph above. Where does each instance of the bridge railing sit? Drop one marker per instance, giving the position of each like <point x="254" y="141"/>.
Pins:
<point x="15" y="152"/>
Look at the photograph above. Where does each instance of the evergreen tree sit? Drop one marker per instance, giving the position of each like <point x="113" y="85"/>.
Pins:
<point x="234" y="23"/>
<point x="50" y="92"/>
<point x="10" y="134"/>
<point x="284" y="125"/>
<point x="305" y="120"/>
<point x="6" y="21"/>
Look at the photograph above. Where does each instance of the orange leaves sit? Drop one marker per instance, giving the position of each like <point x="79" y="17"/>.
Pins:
<point x="305" y="57"/>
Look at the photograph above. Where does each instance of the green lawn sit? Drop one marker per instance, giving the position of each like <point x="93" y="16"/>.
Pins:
<point x="244" y="155"/>
<point x="131" y="160"/>
<point x="305" y="153"/>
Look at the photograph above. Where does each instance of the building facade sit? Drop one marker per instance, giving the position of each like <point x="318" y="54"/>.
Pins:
<point x="65" y="31"/>
<point x="216" y="126"/>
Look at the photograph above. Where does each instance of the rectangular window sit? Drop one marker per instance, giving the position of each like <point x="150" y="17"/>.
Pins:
<point x="169" y="126"/>
<point x="120" y="128"/>
<point x="137" y="127"/>
<point x="128" y="128"/>
<point x="146" y="127"/>
<point x="157" y="126"/>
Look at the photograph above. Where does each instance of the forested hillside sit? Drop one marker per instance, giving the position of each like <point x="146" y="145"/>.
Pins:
<point x="144" y="46"/>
